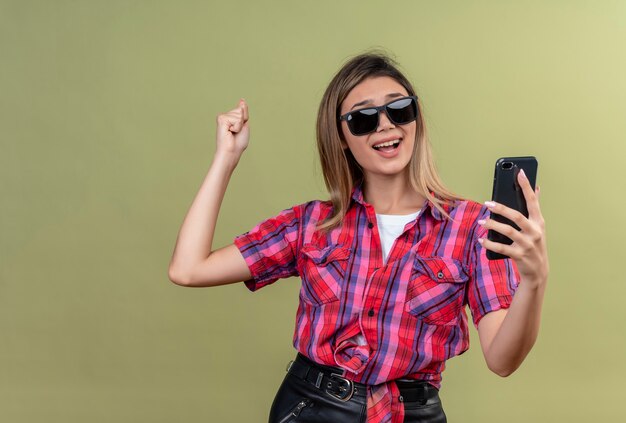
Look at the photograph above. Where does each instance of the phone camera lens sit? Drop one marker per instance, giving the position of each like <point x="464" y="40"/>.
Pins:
<point x="507" y="165"/>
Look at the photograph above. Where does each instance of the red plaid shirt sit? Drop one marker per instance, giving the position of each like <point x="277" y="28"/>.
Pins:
<point x="410" y="311"/>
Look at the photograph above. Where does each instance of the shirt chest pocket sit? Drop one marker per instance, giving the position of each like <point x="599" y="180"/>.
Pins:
<point x="436" y="290"/>
<point x="323" y="270"/>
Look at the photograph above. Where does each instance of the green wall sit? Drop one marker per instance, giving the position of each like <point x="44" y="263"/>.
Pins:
<point x="107" y="121"/>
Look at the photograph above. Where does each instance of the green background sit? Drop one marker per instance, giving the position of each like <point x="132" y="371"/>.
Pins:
<point x="107" y="123"/>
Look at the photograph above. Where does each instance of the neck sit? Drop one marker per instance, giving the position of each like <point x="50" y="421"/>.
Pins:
<point x="392" y="195"/>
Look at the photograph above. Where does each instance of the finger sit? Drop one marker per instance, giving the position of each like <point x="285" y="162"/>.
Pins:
<point x="532" y="202"/>
<point x="236" y="126"/>
<point x="511" y="214"/>
<point x="497" y="247"/>
<point x="224" y="122"/>
<point x="230" y="121"/>
<point x="504" y="229"/>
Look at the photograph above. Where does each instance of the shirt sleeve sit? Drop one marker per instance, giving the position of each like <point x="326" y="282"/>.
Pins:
<point x="269" y="248"/>
<point x="493" y="282"/>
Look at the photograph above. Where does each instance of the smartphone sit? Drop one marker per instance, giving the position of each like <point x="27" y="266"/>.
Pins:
<point x="507" y="191"/>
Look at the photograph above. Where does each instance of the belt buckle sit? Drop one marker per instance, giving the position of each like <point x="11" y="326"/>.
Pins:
<point x="346" y="390"/>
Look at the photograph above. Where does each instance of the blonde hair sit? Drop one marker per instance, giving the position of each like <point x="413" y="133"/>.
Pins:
<point x="341" y="170"/>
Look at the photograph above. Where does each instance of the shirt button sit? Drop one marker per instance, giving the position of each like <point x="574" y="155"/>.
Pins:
<point x="371" y="312"/>
<point x="370" y="225"/>
<point x="440" y="275"/>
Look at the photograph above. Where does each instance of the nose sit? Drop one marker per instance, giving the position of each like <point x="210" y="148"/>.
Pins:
<point x="384" y="122"/>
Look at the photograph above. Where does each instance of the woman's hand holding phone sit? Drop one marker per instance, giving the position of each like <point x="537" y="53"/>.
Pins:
<point x="529" y="243"/>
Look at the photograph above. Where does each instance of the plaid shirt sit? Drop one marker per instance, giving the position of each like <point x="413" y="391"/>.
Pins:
<point x="410" y="312"/>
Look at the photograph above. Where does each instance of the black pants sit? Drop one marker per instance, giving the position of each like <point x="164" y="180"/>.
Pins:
<point x="309" y="394"/>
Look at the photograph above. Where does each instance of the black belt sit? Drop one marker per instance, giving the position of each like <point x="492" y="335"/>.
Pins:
<point x="329" y="380"/>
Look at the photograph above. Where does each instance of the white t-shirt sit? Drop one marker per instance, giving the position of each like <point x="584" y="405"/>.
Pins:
<point x="390" y="226"/>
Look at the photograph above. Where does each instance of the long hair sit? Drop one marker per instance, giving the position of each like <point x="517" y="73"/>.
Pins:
<point x="341" y="170"/>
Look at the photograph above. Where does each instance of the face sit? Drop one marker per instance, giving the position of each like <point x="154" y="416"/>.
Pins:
<point x="387" y="160"/>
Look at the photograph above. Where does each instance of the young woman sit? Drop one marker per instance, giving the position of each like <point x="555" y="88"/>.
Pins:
<point x="387" y="265"/>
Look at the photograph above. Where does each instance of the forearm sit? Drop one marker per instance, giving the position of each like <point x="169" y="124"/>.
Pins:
<point x="519" y="329"/>
<point x="195" y="238"/>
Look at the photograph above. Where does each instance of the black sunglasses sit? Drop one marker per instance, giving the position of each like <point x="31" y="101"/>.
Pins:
<point x="364" y="121"/>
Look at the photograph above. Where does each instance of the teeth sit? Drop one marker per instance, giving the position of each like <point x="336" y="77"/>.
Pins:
<point x="387" y="144"/>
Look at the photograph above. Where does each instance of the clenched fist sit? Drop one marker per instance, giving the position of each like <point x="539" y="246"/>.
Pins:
<point x="233" y="131"/>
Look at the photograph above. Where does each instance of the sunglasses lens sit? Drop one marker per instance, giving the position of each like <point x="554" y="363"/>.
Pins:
<point x="363" y="121"/>
<point x="402" y="111"/>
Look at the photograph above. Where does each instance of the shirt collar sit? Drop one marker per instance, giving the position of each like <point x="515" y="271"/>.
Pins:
<point x="357" y="196"/>
<point x="357" y="193"/>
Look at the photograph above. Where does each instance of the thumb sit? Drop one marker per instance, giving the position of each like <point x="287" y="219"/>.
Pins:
<point x="244" y="109"/>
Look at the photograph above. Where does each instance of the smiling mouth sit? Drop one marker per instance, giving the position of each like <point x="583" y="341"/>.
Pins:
<point x="387" y="146"/>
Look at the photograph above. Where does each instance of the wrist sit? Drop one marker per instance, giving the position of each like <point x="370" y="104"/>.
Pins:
<point x="533" y="283"/>
<point x="227" y="160"/>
